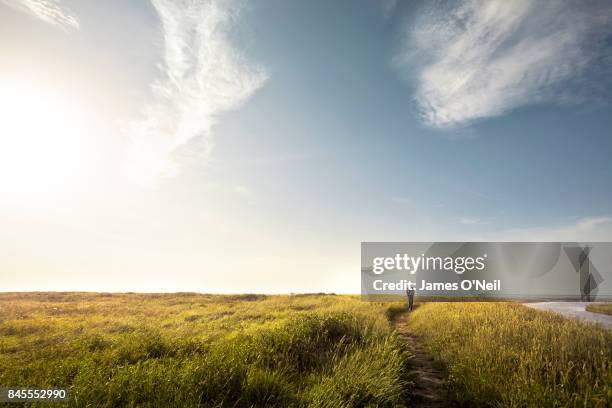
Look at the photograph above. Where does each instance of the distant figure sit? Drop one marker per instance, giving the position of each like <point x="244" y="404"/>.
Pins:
<point x="410" y="293"/>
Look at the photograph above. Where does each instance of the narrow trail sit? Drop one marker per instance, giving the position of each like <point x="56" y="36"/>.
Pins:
<point x="429" y="390"/>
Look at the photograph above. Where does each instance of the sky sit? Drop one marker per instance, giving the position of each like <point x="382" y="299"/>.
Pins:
<point x="227" y="146"/>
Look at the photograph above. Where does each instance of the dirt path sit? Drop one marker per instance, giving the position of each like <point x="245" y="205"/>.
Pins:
<point x="428" y="391"/>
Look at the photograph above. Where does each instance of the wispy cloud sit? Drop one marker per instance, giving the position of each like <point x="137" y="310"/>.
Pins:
<point x="472" y="221"/>
<point x="474" y="59"/>
<point x="49" y="11"/>
<point x="204" y="75"/>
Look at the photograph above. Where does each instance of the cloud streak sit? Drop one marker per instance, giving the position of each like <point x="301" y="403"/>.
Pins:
<point x="49" y="11"/>
<point x="476" y="59"/>
<point x="204" y="75"/>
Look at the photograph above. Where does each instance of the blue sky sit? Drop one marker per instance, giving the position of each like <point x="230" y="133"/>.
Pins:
<point x="231" y="146"/>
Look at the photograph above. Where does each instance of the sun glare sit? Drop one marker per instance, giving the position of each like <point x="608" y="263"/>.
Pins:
<point x="42" y="144"/>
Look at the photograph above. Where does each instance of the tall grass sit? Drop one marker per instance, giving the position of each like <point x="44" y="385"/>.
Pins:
<point x="297" y="351"/>
<point x="502" y="354"/>
<point x="604" y="308"/>
<point x="200" y="350"/>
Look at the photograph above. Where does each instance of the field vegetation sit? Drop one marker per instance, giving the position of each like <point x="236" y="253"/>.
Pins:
<point x="605" y="308"/>
<point x="172" y="350"/>
<point x="504" y="354"/>
<point x="202" y="350"/>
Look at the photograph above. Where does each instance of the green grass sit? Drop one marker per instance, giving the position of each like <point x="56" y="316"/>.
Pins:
<point x="175" y="350"/>
<point x="202" y="350"/>
<point x="604" y="308"/>
<point x="503" y="354"/>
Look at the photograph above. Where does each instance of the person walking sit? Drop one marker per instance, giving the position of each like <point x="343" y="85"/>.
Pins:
<point x="410" y="294"/>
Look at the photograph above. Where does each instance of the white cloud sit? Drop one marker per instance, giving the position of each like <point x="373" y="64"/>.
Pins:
<point x="49" y="11"/>
<point x="204" y="76"/>
<point x="474" y="59"/>
<point x="471" y="221"/>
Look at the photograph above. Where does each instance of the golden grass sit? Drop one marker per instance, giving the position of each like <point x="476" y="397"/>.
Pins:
<point x="504" y="354"/>
<point x="604" y="308"/>
<point x="302" y="350"/>
<point x="203" y="350"/>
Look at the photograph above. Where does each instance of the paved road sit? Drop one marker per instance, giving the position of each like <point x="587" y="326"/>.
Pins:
<point x="575" y="310"/>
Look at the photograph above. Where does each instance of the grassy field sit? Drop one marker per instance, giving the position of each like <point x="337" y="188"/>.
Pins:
<point x="304" y="350"/>
<point x="190" y="350"/>
<point x="605" y="308"/>
<point x="516" y="356"/>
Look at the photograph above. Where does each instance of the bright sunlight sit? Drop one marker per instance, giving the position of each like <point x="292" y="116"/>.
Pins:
<point x="42" y="144"/>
